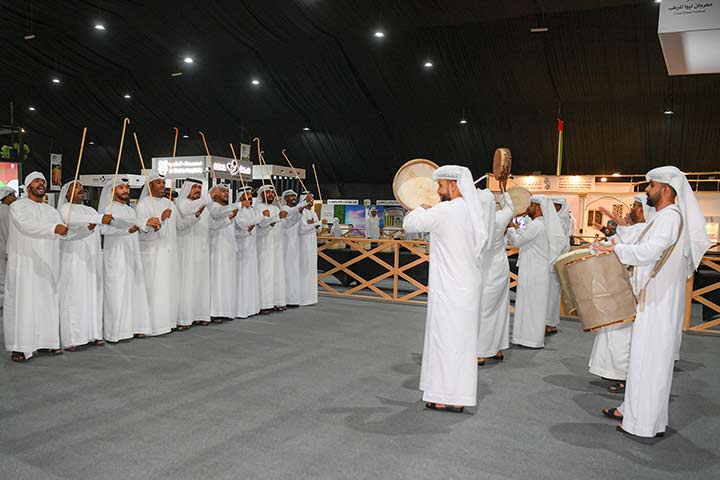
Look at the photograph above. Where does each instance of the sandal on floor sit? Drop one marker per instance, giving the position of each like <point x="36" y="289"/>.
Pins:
<point x="139" y="335"/>
<point x="182" y="328"/>
<point x="18" y="357"/>
<point x="481" y="361"/>
<point x="71" y="349"/>
<point x="446" y="408"/>
<point x="201" y="323"/>
<point x="625" y="432"/>
<point x="619" y="387"/>
<point x="216" y="320"/>
<point x="58" y="351"/>
<point x="499" y="357"/>
<point x="610" y="413"/>
<point x="100" y="343"/>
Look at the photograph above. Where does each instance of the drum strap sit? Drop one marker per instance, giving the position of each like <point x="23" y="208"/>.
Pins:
<point x="658" y="265"/>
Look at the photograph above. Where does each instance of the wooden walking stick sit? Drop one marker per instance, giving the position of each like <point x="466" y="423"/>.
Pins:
<point x="242" y="180"/>
<point x="207" y="151"/>
<point x="295" y="171"/>
<point x="172" y="181"/>
<point x="147" y="180"/>
<point x="126" y="120"/>
<point x="317" y="182"/>
<point x="272" y="183"/>
<point x="77" y="171"/>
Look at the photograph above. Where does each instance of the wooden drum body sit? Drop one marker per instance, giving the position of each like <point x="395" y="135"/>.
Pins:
<point x="413" y="184"/>
<point x="560" y="263"/>
<point x="601" y="288"/>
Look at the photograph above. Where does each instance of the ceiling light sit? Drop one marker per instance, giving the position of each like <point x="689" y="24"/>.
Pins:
<point x="91" y="142"/>
<point x="539" y="29"/>
<point x="22" y="130"/>
<point x="603" y="179"/>
<point x="29" y="37"/>
<point x="127" y="96"/>
<point x="176" y="74"/>
<point x="379" y="34"/>
<point x="188" y="60"/>
<point x="255" y="81"/>
<point x="32" y="109"/>
<point x="306" y="129"/>
<point x="616" y="174"/>
<point x="99" y="26"/>
<point x="56" y="80"/>
<point x="428" y="64"/>
<point x="186" y="136"/>
<point x="668" y="112"/>
<point x="463" y="121"/>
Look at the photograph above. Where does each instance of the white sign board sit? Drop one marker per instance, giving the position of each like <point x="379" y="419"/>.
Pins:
<point x="689" y="32"/>
<point x="550" y="183"/>
<point x="332" y="201"/>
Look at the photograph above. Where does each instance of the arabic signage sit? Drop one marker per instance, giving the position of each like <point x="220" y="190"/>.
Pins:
<point x="199" y="166"/>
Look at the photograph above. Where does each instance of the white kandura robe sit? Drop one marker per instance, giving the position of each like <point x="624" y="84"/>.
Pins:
<point x="372" y="226"/>
<point x="125" y="304"/>
<point x="81" y="279"/>
<point x="655" y="331"/>
<point x="247" y="293"/>
<point x="291" y="260"/>
<point x="308" y="257"/>
<point x="194" y="257"/>
<point x="493" y="332"/>
<point x="4" y="227"/>
<point x="271" y="271"/>
<point x="611" y="347"/>
<point x="223" y="282"/>
<point x="160" y="263"/>
<point x="31" y="317"/>
<point x="553" y="312"/>
<point x="533" y="287"/>
<point x="449" y="365"/>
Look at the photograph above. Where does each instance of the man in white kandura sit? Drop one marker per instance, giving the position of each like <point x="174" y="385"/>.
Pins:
<point x="553" y="316"/>
<point x="611" y="347"/>
<point x="460" y="228"/>
<point x="493" y="332"/>
<point x="193" y="254"/>
<point x="271" y="268"/>
<point x="223" y="251"/>
<point x="125" y="305"/>
<point x="336" y="229"/>
<point x="290" y="239"/>
<point x="31" y="319"/>
<point x="540" y="242"/>
<point x="309" y="227"/>
<point x="372" y="224"/>
<point x="247" y="294"/>
<point x="81" y="272"/>
<point x="7" y="197"/>
<point x="663" y="257"/>
<point x="160" y="256"/>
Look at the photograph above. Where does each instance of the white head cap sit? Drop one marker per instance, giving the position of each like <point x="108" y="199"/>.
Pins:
<point x="32" y="176"/>
<point x="553" y="226"/>
<point x="564" y="207"/>
<point x="5" y="191"/>
<point x="107" y="193"/>
<point x="693" y="219"/>
<point x="481" y="204"/>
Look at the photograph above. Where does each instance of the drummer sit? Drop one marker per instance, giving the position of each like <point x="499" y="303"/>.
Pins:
<point x="672" y="246"/>
<point x="540" y="243"/>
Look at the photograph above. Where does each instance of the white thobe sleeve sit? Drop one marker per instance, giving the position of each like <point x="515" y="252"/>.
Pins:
<point x="518" y="238"/>
<point x="78" y="232"/>
<point x="306" y="227"/>
<point x="266" y="222"/>
<point x="30" y="226"/>
<point x="243" y="220"/>
<point x="79" y="217"/>
<point x="658" y="239"/>
<point x="422" y="220"/>
<point x="628" y="234"/>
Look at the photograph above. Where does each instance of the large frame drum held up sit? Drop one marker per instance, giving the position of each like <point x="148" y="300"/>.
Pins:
<point x="520" y="197"/>
<point x="560" y="263"/>
<point x="413" y="184"/>
<point x="602" y="291"/>
<point x="502" y="162"/>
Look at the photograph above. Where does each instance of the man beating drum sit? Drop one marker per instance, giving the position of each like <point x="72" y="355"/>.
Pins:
<point x="666" y="253"/>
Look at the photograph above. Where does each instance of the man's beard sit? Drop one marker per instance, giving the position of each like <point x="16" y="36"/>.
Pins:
<point x="444" y="197"/>
<point x="650" y="201"/>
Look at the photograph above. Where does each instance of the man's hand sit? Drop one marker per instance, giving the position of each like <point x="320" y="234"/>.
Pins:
<point x="309" y="199"/>
<point x="425" y="206"/>
<point x="154" y="223"/>
<point x="311" y="221"/>
<point x="324" y="221"/>
<point x="514" y="224"/>
<point x="61" y="229"/>
<point x="133" y="229"/>
<point x="106" y="219"/>
<point x="166" y="214"/>
<point x="232" y="214"/>
<point x="266" y="213"/>
<point x="199" y="212"/>
<point x="91" y="226"/>
<point x="283" y="214"/>
<point x="601" y="247"/>
<point x="250" y="228"/>
<point x="614" y="216"/>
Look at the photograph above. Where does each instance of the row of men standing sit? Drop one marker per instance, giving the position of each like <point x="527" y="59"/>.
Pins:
<point x="161" y="266"/>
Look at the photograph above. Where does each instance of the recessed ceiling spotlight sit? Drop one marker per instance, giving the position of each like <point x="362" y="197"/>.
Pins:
<point x="668" y="112"/>
<point x="91" y="142"/>
<point x="306" y="129"/>
<point x="463" y="121"/>
<point x="186" y="136"/>
<point x="99" y="26"/>
<point x="29" y="36"/>
<point x="539" y="29"/>
<point x="379" y="34"/>
<point x="32" y="109"/>
<point x="176" y="74"/>
<point x="188" y="60"/>
<point x="658" y="1"/>
<point x="428" y="64"/>
<point x="55" y="80"/>
<point x="603" y="179"/>
<point x="616" y="174"/>
<point x="255" y="81"/>
<point x="127" y="96"/>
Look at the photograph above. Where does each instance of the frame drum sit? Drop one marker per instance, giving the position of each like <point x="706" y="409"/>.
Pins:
<point x="602" y="291"/>
<point x="413" y="184"/>
<point x="520" y="197"/>
<point x="560" y="263"/>
<point x="502" y="161"/>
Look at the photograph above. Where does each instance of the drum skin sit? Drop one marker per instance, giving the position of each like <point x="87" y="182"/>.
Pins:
<point x="601" y="287"/>
<point x="560" y="263"/>
<point x="413" y="184"/>
<point x="520" y="197"/>
<point x="502" y="161"/>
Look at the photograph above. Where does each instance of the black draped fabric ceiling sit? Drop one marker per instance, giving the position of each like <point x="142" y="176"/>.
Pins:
<point x="369" y="102"/>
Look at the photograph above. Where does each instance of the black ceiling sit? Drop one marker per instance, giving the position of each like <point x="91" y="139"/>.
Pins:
<point x="370" y="103"/>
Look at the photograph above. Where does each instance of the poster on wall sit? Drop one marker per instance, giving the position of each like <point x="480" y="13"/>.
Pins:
<point x="9" y="175"/>
<point x="245" y="152"/>
<point x="55" y="171"/>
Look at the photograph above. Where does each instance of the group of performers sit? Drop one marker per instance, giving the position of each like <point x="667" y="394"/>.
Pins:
<point x="661" y="242"/>
<point x="75" y="275"/>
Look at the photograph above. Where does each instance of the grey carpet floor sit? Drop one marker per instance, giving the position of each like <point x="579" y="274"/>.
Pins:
<point x="331" y="392"/>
